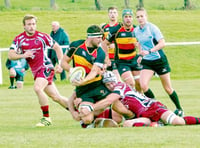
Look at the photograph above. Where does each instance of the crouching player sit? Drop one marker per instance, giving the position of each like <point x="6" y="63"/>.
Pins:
<point x="139" y="104"/>
<point x="103" y="118"/>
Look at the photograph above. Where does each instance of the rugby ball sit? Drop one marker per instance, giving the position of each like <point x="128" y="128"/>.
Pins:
<point x="77" y="73"/>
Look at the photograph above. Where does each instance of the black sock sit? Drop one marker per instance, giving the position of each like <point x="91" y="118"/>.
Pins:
<point x="175" y="100"/>
<point x="149" y="93"/>
<point x="12" y="78"/>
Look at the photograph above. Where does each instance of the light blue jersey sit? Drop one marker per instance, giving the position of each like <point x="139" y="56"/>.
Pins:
<point x="18" y="65"/>
<point x="148" y="37"/>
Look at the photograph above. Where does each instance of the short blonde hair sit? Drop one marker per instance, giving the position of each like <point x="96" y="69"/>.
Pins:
<point x="28" y="17"/>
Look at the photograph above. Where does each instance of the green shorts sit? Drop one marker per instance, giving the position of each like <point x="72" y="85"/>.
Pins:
<point x="113" y="66"/>
<point x="128" y="65"/>
<point x="92" y="92"/>
<point x="160" y="66"/>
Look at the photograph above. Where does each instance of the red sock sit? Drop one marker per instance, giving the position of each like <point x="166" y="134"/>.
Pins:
<point x="138" y="124"/>
<point x="189" y="120"/>
<point x="45" y="110"/>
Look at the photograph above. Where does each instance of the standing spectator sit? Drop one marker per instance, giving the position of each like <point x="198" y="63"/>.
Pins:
<point x="125" y="57"/>
<point x="62" y="38"/>
<point x="153" y="59"/>
<point x="17" y="70"/>
<point x="32" y="45"/>
<point x="112" y="15"/>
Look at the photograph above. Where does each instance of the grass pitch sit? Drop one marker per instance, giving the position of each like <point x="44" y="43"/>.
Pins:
<point x="20" y="111"/>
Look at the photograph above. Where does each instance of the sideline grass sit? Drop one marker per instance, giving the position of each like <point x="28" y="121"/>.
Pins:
<point x="19" y="111"/>
<point x="175" y="25"/>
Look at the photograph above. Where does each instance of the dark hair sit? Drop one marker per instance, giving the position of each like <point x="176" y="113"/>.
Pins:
<point x="94" y="29"/>
<point x="112" y="8"/>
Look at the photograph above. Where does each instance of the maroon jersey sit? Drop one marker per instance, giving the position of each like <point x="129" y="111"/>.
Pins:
<point x="141" y="105"/>
<point x="38" y="43"/>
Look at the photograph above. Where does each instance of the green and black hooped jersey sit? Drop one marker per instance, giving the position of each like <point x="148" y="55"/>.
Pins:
<point x="124" y="42"/>
<point x="86" y="57"/>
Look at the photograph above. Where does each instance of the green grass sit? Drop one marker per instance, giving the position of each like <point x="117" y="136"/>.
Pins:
<point x="175" y="25"/>
<point x="20" y="112"/>
<point x="67" y="5"/>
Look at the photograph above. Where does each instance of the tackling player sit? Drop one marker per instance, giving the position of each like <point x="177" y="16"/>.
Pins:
<point x="139" y="104"/>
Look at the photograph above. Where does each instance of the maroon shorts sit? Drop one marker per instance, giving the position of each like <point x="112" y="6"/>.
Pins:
<point x="105" y="114"/>
<point x="45" y="73"/>
<point x="155" y="111"/>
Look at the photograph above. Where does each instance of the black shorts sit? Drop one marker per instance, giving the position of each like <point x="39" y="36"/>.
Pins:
<point x="160" y="66"/>
<point x="92" y="93"/>
<point x="19" y="78"/>
<point x="128" y="65"/>
<point x="113" y="66"/>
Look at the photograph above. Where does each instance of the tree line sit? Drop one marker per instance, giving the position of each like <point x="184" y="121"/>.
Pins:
<point x="187" y="4"/>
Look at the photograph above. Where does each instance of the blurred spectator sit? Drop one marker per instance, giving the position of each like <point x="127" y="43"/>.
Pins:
<point x="62" y="38"/>
<point x="17" y="70"/>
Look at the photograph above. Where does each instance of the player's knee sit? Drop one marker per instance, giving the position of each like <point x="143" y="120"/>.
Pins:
<point x="178" y="121"/>
<point x="37" y="89"/>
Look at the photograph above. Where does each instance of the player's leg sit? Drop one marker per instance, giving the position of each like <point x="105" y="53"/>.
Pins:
<point x="19" y="81"/>
<point x="166" y="82"/>
<point x="86" y="112"/>
<point x="127" y="77"/>
<point x="137" y="122"/>
<point x="136" y="76"/>
<point x="169" y="117"/>
<point x="12" y="74"/>
<point x="145" y="77"/>
<point x="39" y="85"/>
<point x="53" y="93"/>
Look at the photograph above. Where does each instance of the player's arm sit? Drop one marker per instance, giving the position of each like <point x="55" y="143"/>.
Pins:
<point x="12" y="55"/>
<point x="65" y="63"/>
<point x="58" y="51"/>
<point x="71" y="108"/>
<point x="92" y="74"/>
<point x="105" y="44"/>
<point x="121" y="109"/>
<point x="111" y="98"/>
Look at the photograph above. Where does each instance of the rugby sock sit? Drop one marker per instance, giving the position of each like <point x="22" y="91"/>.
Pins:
<point x="12" y="78"/>
<point x="45" y="110"/>
<point x="149" y="94"/>
<point x="139" y="124"/>
<point x="189" y="120"/>
<point x="175" y="100"/>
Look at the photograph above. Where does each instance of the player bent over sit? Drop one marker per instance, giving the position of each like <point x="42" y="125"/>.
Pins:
<point x="105" y="118"/>
<point x="139" y="104"/>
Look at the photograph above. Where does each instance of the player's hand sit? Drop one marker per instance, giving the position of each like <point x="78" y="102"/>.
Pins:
<point x="28" y="54"/>
<point x="58" y="69"/>
<point x="76" y="82"/>
<point x="76" y="116"/>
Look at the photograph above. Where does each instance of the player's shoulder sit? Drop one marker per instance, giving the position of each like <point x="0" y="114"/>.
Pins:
<point x="21" y="35"/>
<point x="77" y="43"/>
<point x="42" y="34"/>
<point x="114" y="29"/>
